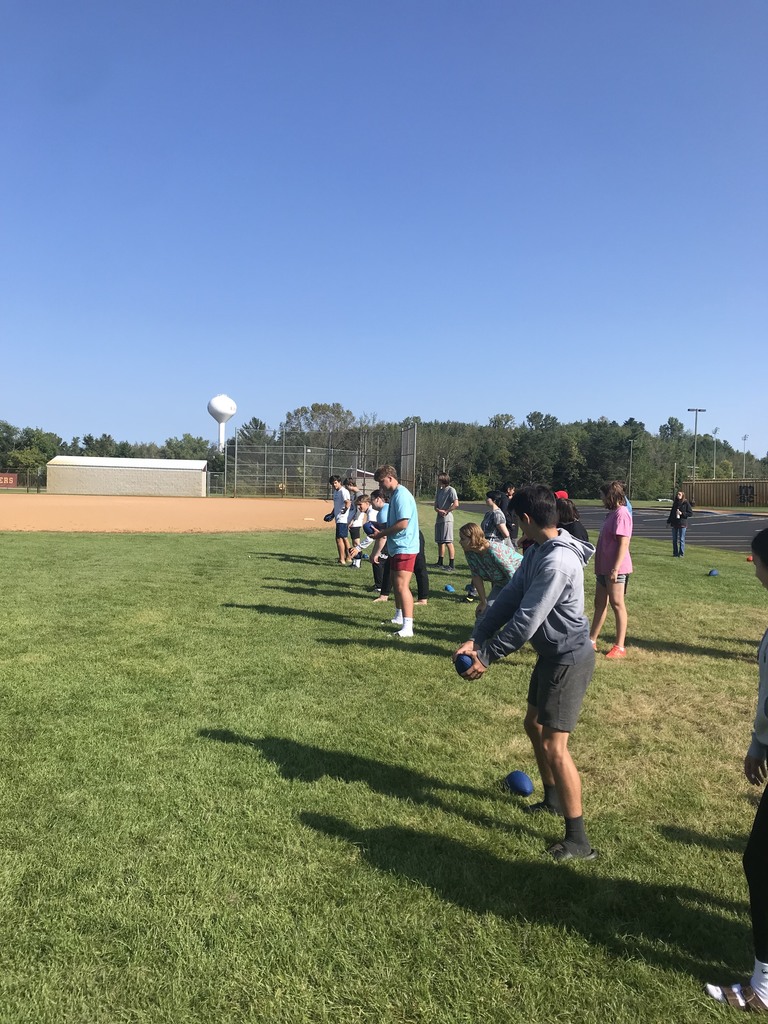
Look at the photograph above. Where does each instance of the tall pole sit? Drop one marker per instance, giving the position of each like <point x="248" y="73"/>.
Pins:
<point x="695" y="440"/>
<point x="714" y="456"/>
<point x="629" y="478"/>
<point x="744" y="464"/>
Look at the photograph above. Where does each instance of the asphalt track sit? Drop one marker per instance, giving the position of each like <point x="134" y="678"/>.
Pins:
<point x="725" y="531"/>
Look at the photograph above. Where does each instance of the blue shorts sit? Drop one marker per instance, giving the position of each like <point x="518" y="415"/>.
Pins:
<point x="342" y="529"/>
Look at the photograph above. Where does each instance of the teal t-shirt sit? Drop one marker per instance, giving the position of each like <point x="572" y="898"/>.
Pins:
<point x="403" y="506"/>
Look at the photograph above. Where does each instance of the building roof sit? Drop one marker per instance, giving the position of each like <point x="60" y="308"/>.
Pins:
<point x="99" y="462"/>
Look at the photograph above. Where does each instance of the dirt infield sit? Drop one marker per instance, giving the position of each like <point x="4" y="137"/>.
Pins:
<point x="75" y="513"/>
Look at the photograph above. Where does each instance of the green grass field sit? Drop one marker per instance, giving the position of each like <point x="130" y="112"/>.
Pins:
<point x="228" y="795"/>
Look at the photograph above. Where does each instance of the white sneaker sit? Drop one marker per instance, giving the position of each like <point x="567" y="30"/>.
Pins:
<point x="404" y="633"/>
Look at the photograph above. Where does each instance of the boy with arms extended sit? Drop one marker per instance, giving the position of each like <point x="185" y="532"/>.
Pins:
<point x="544" y="604"/>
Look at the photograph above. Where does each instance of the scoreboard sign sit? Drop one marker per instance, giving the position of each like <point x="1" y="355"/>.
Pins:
<point x="9" y="479"/>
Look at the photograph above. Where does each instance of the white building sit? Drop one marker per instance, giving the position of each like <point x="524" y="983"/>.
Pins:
<point x="170" y="478"/>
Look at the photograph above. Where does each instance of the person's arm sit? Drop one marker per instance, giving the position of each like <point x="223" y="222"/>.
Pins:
<point x="479" y="585"/>
<point x="535" y="604"/>
<point x="394" y="528"/>
<point x="621" y="554"/>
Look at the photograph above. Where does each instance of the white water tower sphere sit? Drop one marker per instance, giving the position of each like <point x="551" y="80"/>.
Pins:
<point x="222" y="408"/>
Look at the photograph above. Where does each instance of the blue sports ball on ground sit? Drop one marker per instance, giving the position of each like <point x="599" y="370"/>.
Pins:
<point x="519" y="783"/>
<point x="713" y="572"/>
<point x="449" y="589"/>
<point x="370" y="528"/>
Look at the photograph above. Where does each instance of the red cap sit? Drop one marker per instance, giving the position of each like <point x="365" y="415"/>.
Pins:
<point x="561" y="494"/>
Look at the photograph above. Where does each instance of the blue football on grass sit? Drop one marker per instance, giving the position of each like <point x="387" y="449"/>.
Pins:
<point x="449" y="589"/>
<point x="463" y="663"/>
<point x="519" y="783"/>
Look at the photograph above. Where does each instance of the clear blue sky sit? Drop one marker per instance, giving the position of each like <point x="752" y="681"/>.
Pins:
<point x="415" y="207"/>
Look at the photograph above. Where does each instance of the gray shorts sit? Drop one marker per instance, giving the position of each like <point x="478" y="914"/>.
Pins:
<point x="557" y="691"/>
<point x="444" y="530"/>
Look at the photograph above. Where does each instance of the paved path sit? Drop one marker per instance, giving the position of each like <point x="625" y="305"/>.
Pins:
<point x="726" y="531"/>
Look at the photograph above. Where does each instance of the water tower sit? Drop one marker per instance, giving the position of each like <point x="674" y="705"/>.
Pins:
<point x="222" y="408"/>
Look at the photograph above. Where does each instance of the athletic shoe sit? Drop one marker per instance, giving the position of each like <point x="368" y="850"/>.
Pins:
<point x="450" y="568"/>
<point x="437" y="565"/>
<point x="617" y="652"/>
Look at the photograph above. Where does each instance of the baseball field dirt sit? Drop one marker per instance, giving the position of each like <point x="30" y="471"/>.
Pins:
<point x="76" y="513"/>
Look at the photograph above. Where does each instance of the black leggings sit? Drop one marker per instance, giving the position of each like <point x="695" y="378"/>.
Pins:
<point x="755" y="860"/>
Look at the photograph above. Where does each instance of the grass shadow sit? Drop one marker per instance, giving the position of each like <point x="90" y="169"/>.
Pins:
<point x="731" y="844"/>
<point x="301" y="762"/>
<point x="672" y="927"/>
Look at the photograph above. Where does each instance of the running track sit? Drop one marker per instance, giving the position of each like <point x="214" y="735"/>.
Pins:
<point x="726" y="531"/>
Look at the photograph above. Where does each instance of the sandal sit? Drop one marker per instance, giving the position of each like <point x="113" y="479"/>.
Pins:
<point x="560" y="852"/>
<point x="740" y="997"/>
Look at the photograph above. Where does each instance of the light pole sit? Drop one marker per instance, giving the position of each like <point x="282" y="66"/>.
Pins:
<point x="629" y="478"/>
<point x="714" y="456"/>
<point x="744" y="463"/>
<point x="695" y="440"/>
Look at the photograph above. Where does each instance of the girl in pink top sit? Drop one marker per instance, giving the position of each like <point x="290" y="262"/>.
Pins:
<point x="613" y="566"/>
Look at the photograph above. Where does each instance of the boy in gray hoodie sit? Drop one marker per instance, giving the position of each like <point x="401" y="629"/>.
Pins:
<point x="544" y="603"/>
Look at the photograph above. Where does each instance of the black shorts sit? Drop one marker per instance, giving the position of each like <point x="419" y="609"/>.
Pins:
<point x="557" y="691"/>
<point x="354" y="533"/>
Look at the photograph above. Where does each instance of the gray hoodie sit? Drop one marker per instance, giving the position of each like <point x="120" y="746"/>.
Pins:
<point x="543" y="603"/>
<point x="759" y="745"/>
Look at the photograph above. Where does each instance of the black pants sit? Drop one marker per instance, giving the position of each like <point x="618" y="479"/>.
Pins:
<point x="419" y="571"/>
<point x="755" y="861"/>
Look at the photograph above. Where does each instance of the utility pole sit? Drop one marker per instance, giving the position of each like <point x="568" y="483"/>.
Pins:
<point x="695" y="439"/>
<point x="714" y="456"/>
<point x="744" y="464"/>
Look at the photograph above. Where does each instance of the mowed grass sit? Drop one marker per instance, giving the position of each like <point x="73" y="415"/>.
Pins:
<point x="229" y="795"/>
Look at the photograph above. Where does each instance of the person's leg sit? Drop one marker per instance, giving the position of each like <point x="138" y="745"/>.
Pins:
<point x="386" y="581"/>
<point x="533" y="731"/>
<point x="675" y="538"/>
<point x="451" y="554"/>
<point x="754" y="861"/>
<point x="561" y="689"/>
<point x="601" y="610"/>
<point x="616" y="598"/>
<point x="378" y="573"/>
<point x="566" y="778"/>
<point x="682" y="541"/>
<point x="401" y="585"/>
<point x="422" y="578"/>
<point x="341" y="549"/>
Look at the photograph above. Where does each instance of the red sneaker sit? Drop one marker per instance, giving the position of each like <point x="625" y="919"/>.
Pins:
<point x="617" y="652"/>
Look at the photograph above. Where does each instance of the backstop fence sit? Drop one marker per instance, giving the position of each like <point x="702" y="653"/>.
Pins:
<point x="289" y="471"/>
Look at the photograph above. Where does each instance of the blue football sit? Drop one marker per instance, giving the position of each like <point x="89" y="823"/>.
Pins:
<point x="463" y="663"/>
<point x="449" y="589"/>
<point x="519" y="783"/>
<point x="370" y="528"/>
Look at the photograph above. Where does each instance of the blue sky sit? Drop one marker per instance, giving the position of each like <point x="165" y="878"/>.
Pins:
<point x="418" y="207"/>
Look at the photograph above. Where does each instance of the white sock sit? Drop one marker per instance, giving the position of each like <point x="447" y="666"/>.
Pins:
<point x="398" y="619"/>
<point x="407" y="629"/>
<point x="759" y="980"/>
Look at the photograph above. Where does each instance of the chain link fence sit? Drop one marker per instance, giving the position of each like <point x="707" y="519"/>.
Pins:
<point x="287" y="471"/>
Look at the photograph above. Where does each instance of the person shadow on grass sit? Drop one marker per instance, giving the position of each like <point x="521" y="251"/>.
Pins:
<point x="301" y="762"/>
<point x="670" y="926"/>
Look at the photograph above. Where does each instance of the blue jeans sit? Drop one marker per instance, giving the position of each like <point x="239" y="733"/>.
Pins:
<point x="678" y="541"/>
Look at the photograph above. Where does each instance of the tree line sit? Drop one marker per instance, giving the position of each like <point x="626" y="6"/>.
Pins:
<point x="576" y="456"/>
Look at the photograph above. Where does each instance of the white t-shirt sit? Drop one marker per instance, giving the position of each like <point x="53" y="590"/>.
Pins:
<point x="340" y="497"/>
